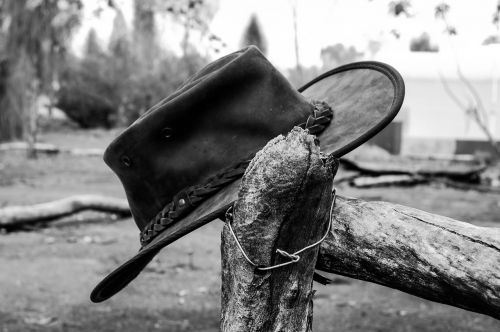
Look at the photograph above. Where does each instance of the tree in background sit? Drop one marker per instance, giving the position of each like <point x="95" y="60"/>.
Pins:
<point x="254" y="36"/>
<point x="331" y="57"/>
<point x="119" y="85"/>
<point x="99" y="90"/>
<point x="298" y="67"/>
<point x="106" y="87"/>
<point x="399" y="8"/>
<point x="144" y="33"/>
<point x="35" y="37"/>
<point x="86" y="93"/>
<point x="119" y="43"/>
<point x="337" y="55"/>
<point x="474" y="106"/>
<point x="373" y="48"/>
<point x="194" y="16"/>
<point x="495" y="38"/>
<point x="471" y="104"/>
<point x="92" y="46"/>
<point x="423" y="44"/>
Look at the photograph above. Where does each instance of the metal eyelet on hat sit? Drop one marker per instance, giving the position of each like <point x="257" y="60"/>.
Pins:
<point x="126" y="161"/>
<point x="167" y="132"/>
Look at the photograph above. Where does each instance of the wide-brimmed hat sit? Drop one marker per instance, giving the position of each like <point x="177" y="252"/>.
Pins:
<point x="181" y="162"/>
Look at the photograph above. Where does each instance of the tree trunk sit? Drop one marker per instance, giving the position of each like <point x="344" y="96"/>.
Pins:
<point x="284" y="203"/>
<point x="296" y="40"/>
<point x="31" y="130"/>
<point x="426" y="255"/>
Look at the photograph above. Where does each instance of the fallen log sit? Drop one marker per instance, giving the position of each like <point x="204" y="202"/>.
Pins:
<point x="284" y="204"/>
<point x="23" y="146"/>
<point x="457" y="169"/>
<point x="423" y="254"/>
<point x="482" y="188"/>
<point x="386" y="180"/>
<point x="12" y="217"/>
<point x="50" y="149"/>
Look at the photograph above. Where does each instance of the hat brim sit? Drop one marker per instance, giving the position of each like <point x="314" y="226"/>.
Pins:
<point x="365" y="97"/>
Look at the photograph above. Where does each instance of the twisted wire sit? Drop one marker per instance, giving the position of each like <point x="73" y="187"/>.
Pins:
<point x="292" y="258"/>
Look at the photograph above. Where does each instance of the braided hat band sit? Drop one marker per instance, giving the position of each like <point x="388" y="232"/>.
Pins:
<point x="187" y="199"/>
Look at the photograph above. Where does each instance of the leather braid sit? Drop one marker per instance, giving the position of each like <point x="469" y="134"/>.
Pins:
<point x="186" y="200"/>
<point x="191" y="197"/>
<point x="320" y="118"/>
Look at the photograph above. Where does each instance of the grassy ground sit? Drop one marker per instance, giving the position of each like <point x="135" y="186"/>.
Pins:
<point x="46" y="275"/>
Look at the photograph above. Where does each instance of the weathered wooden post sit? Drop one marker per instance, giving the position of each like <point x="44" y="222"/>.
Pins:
<point x="283" y="205"/>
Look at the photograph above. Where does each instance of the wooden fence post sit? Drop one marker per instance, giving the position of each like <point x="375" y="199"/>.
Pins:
<point x="284" y="203"/>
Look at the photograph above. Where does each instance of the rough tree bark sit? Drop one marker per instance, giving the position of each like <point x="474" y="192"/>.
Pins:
<point x="283" y="203"/>
<point x="424" y="254"/>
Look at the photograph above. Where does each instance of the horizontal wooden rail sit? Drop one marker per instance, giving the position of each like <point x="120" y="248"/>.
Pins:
<point x="423" y="254"/>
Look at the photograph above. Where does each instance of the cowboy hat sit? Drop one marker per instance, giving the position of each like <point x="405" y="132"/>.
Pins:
<point x="181" y="162"/>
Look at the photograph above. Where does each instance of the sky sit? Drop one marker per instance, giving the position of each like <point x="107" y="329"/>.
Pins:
<point x="322" y="23"/>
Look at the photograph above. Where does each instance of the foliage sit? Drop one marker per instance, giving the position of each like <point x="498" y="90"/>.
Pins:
<point x="35" y="35"/>
<point x="300" y="76"/>
<point x="332" y="57"/>
<point x="144" y="31"/>
<point x="92" y="46"/>
<point x="441" y="13"/>
<point x="254" y="36"/>
<point x="98" y="93"/>
<point x="114" y="88"/>
<point x="398" y="8"/>
<point x="193" y="15"/>
<point x="474" y="107"/>
<point x="86" y="94"/>
<point x="119" y="43"/>
<point x="493" y="39"/>
<point x="106" y="87"/>
<point x="423" y="44"/>
<point x="496" y="16"/>
<point x="40" y="29"/>
<point x="336" y="55"/>
<point x="471" y="104"/>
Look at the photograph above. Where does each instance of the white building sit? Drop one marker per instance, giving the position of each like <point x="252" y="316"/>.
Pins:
<point x="432" y="121"/>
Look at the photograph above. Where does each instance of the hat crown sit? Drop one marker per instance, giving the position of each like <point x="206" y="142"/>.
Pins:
<point x="226" y="111"/>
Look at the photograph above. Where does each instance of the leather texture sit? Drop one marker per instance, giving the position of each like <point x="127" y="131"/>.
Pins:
<point x="230" y="108"/>
<point x="222" y="114"/>
<point x="365" y="97"/>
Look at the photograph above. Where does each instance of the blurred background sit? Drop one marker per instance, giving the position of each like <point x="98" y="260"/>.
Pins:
<point x="74" y="73"/>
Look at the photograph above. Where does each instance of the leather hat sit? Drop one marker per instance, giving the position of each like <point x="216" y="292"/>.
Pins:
<point x="181" y="162"/>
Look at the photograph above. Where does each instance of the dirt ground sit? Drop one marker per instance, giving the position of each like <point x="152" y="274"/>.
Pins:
<point x="46" y="274"/>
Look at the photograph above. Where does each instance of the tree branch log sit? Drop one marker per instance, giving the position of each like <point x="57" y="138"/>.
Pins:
<point x="283" y="203"/>
<point x="420" y="253"/>
<point x="50" y="149"/>
<point x="17" y="216"/>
